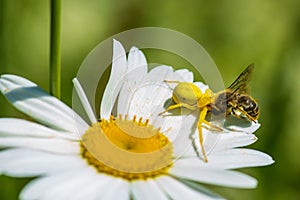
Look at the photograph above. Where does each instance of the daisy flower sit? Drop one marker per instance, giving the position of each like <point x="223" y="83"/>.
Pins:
<point x="132" y="154"/>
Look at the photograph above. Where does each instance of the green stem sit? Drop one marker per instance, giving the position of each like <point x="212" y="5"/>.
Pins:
<point x="55" y="48"/>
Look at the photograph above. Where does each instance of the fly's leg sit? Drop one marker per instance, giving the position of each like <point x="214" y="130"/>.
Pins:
<point x="213" y="127"/>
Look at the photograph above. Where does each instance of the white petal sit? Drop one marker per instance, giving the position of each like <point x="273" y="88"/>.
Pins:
<point x="233" y="140"/>
<point x="137" y="59"/>
<point x="20" y="127"/>
<point x="180" y="129"/>
<point x="144" y="190"/>
<point x="119" y="189"/>
<point x="118" y="70"/>
<point x="238" y="158"/>
<point x="228" y="159"/>
<point x="26" y="162"/>
<point x="53" y="145"/>
<point x="68" y="188"/>
<point x="215" y="176"/>
<point x="186" y="74"/>
<point x="84" y="101"/>
<point x="200" y="188"/>
<point x="17" y="80"/>
<point x="90" y="183"/>
<point x="98" y="184"/>
<point x="241" y="128"/>
<point x="109" y="188"/>
<point x="38" y="104"/>
<point x="147" y="100"/>
<point x="162" y="73"/>
<point x="137" y="70"/>
<point x="219" y="141"/>
<point x="177" y="190"/>
<point x="37" y="188"/>
<point x="42" y="188"/>
<point x="202" y="86"/>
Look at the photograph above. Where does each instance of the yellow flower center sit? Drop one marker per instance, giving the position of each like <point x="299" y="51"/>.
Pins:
<point x="130" y="149"/>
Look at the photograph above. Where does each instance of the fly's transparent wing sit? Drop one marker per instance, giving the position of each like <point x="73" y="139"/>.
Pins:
<point x="241" y="84"/>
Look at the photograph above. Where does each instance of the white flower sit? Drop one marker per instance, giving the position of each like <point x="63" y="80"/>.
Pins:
<point x="69" y="167"/>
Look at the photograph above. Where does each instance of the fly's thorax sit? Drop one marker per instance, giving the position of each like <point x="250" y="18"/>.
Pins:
<point x="186" y="93"/>
<point x="223" y="102"/>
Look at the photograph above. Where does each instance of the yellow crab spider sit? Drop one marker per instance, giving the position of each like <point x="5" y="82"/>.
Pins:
<point x="189" y="96"/>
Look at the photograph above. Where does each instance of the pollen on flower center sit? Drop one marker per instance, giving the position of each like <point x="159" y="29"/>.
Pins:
<point x="130" y="149"/>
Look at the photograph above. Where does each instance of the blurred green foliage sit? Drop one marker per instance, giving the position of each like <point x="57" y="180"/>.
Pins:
<point x="235" y="33"/>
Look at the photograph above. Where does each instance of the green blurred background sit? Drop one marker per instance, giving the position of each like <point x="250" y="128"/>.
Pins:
<point x="235" y="33"/>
